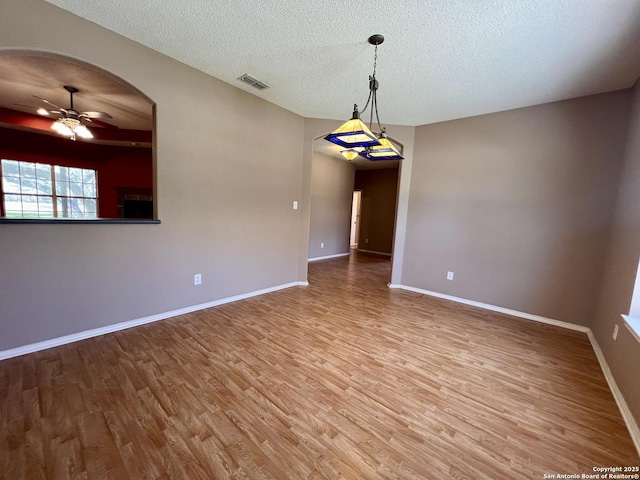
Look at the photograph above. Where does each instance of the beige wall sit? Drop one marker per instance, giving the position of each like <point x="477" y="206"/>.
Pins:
<point x="331" y="197"/>
<point x="229" y="167"/>
<point x="518" y="205"/>
<point x="623" y="355"/>
<point x="378" y="209"/>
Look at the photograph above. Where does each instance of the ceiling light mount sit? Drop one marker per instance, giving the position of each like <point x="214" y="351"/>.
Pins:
<point x="355" y="135"/>
<point x="376" y="39"/>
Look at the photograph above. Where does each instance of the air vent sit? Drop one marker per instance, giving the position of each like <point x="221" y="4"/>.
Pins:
<point x="254" y="82"/>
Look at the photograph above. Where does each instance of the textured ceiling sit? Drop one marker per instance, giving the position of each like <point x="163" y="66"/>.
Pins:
<point x="441" y="59"/>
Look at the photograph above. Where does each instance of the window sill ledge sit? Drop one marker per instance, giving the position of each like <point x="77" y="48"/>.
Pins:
<point x="633" y="325"/>
<point x="50" y="221"/>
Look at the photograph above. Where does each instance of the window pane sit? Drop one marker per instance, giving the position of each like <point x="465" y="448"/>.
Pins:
<point x="76" y="189"/>
<point x="45" y="206"/>
<point x="62" y="188"/>
<point x="63" y="207"/>
<point x="43" y="171"/>
<point x="11" y="184"/>
<point x="13" y="205"/>
<point x="89" y="190"/>
<point x="27" y="170"/>
<point x="10" y="168"/>
<point x="62" y="174"/>
<point x="29" y="184"/>
<point x="77" y="207"/>
<point x="90" y="215"/>
<point x="29" y="206"/>
<point x="90" y="206"/>
<point x="89" y="176"/>
<point x="75" y="175"/>
<point x="44" y="187"/>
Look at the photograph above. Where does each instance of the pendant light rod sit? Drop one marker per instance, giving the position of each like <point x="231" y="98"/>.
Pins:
<point x="375" y="40"/>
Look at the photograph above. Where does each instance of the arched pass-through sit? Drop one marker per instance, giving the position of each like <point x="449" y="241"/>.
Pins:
<point x="52" y="175"/>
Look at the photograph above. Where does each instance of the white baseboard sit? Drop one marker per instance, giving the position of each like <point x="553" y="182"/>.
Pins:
<point x="486" y="306"/>
<point x="374" y="252"/>
<point x="75" y="337"/>
<point x="338" y="255"/>
<point x="627" y="416"/>
<point x="632" y="426"/>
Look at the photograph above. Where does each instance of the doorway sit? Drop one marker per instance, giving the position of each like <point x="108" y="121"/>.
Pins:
<point x="355" y="218"/>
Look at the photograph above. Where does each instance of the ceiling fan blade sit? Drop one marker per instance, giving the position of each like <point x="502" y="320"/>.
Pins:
<point x="99" y="123"/>
<point x="25" y="106"/>
<point x="96" y="115"/>
<point x="47" y="101"/>
<point x="31" y="107"/>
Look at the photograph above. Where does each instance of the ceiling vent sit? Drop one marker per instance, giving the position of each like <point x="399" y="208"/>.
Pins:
<point x="254" y="82"/>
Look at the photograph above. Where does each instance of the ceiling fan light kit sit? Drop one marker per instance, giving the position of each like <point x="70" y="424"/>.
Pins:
<point x="70" y="123"/>
<point x="70" y="127"/>
<point x="356" y="136"/>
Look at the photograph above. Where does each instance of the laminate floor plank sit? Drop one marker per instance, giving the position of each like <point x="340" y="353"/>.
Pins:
<point x="343" y="379"/>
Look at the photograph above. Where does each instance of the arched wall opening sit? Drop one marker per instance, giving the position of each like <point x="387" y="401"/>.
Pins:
<point x="48" y="176"/>
<point x="315" y="130"/>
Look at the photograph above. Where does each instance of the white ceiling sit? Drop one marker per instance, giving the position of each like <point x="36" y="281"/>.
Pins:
<point x="441" y="59"/>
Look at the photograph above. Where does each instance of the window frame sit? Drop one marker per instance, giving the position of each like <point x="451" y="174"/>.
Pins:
<point x="55" y="195"/>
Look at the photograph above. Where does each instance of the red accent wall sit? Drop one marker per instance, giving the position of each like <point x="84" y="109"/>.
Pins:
<point x="116" y="166"/>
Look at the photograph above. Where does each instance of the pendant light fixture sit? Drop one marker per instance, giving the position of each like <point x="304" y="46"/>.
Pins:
<point x="355" y="135"/>
<point x="350" y="154"/>
<point x="385" y="151"/>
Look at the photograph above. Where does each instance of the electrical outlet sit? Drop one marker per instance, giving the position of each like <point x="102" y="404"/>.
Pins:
<point x="295" y="205"/>
<point x="615" y="331"/>
<point x="197" y="279"/>
<point x="366" y="240"/>
<point x="449" y="275"/>
<point x="322" y="245"/>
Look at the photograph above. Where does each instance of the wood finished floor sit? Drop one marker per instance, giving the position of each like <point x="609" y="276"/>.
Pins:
<point x="341" y="379"/>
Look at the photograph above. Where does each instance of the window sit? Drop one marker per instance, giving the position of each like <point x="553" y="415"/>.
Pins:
<point x="37" y="190"/>
<point x="633" y="319"/>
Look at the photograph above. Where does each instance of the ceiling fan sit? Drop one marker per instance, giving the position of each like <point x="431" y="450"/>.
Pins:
<point x="70" y="121"/>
